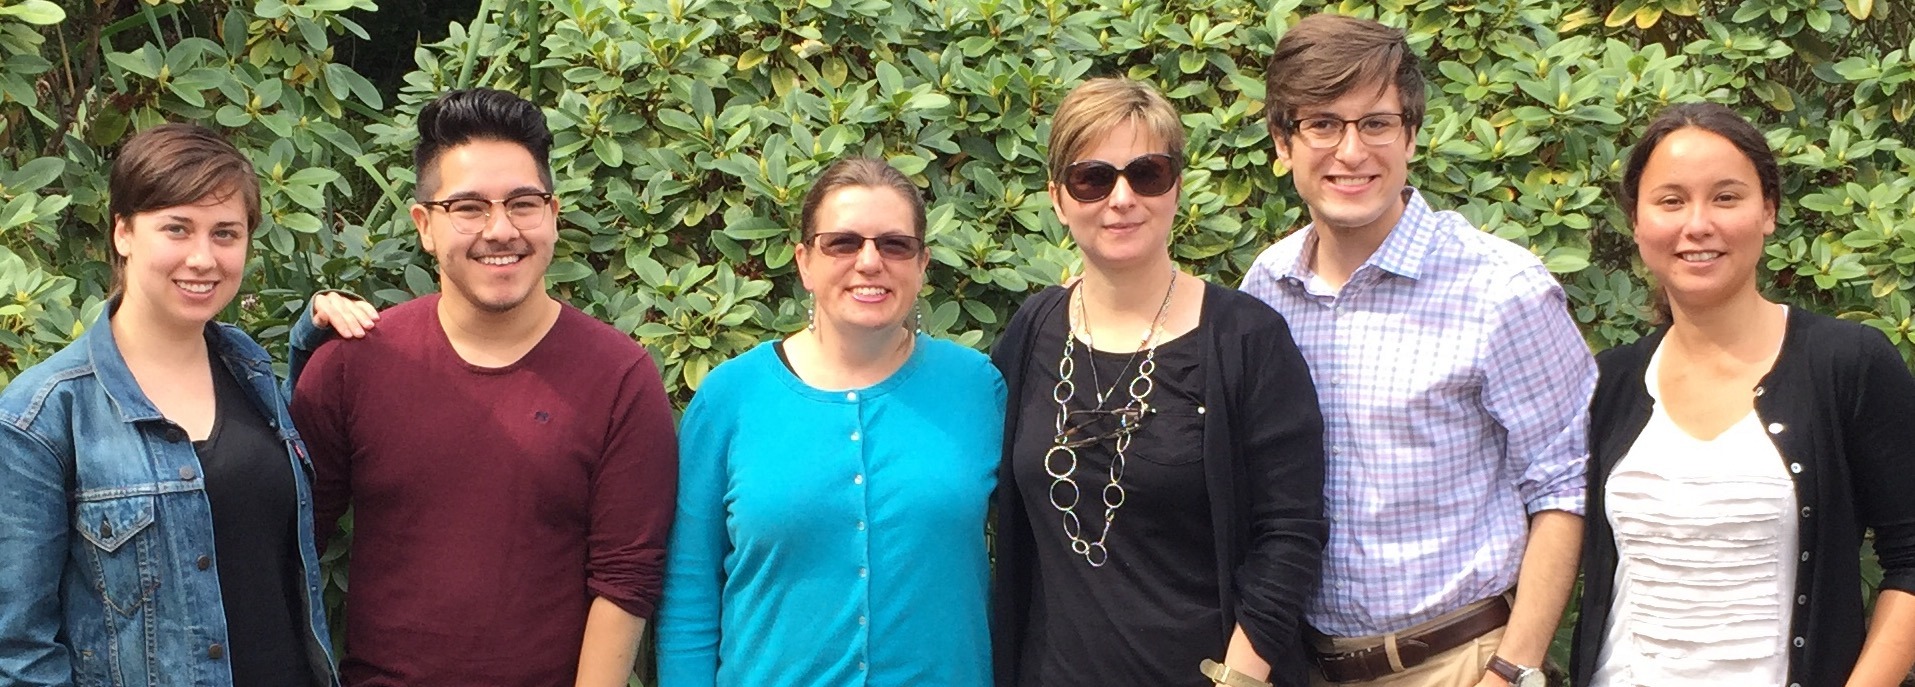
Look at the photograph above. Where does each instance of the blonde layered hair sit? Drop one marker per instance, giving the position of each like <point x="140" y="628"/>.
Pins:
<point x="1096" y="107"/>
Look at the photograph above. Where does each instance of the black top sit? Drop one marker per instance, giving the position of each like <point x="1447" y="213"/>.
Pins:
<point x="1262" y="466"/>
<point x="255" y="503"/>
<point x="1147" y="616"/>
<point x="1838" y="404"/>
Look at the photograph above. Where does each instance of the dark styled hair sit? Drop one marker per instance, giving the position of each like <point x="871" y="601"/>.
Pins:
<point x="478" y="114"/>
<point x="1326" y="56"/>
<point x="1715" y="119"/>
<point x="858" y="172"/>
<point x="179" y="164"/>
<point x="1096" y="107"/>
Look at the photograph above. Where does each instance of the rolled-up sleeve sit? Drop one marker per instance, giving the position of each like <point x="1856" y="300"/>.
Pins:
<point x="33" y="552"/>
<point x="633" y="492"/>
<point x="1538" y="377"/>
<point x="1881" y="448"/>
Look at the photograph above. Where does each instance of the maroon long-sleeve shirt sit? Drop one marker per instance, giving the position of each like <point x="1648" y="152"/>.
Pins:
<point x="490" y="505"/>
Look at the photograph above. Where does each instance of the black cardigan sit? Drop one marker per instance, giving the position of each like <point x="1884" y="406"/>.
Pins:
<point x="1263" y="466"/>
<point x="1840" y="406"/>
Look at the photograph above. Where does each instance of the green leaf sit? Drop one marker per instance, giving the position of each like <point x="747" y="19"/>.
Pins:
<point x="565" y="270"/>
<point x="38" y="12"/>
<point x="33" y="175"/>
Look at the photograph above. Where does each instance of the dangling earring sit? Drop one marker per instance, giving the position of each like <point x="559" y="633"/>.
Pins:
<point x="917" y="318"/>
<point x="811" y="317"/>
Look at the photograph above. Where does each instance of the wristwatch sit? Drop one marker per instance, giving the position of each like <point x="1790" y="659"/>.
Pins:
<point x="1223" y="675"/>
<point x="1517" y="676"/>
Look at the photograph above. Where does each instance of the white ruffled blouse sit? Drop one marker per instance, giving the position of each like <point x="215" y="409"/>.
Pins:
<point x="1704" y="531"/>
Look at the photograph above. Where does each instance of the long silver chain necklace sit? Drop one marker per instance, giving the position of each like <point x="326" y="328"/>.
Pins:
<point x="1060" y="462"/>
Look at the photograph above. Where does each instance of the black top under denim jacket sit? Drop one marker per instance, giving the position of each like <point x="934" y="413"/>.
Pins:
<point x="1263" y="466"/>
<point x="1840" y="406"/>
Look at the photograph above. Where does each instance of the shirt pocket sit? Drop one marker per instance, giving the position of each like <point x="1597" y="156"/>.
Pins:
<point x="119" y="551"/>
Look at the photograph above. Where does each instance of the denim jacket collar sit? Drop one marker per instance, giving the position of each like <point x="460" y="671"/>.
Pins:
<point x="243" y="357"/>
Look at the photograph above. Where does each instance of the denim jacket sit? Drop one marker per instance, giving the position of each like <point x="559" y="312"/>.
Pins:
<point x="106" y="537"/>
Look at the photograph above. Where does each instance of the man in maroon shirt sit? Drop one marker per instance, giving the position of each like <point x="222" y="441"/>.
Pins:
<point x="510" y="460"/>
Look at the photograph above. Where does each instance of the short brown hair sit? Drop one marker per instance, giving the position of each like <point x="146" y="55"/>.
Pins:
<point x="1326" y="56"/>
<point x="179" y="164"/>
<point x="1094" y="108"/>
<point x="866" y="172"/>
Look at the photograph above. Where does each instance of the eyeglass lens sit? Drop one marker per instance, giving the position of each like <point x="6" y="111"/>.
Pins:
<point x="844" y="244"/>
<point x="523" y="211"/>
<point x="1090" y="181"/>
<point x="1381" y="128"/>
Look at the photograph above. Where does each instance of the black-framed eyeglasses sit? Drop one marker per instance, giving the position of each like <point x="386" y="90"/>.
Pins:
<point x="472" y="215"/>
<point x="844" y="244"/>
<point x="1152" y="174"/>
<point x="1089" y="427"/>
<point x="1382" y="128"/>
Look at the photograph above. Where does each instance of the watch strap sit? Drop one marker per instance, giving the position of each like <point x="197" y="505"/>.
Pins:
<point x="1510" y="672"/>
<point x="1223" y="675"/>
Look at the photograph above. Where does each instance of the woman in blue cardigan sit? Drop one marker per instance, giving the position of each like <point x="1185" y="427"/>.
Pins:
<point x="833" y="485"/>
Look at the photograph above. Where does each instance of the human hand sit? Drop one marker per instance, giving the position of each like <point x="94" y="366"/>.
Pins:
<point x="348" y="317"/>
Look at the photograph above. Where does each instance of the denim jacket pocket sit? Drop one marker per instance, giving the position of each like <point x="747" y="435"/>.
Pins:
<point x="121" y="552"/>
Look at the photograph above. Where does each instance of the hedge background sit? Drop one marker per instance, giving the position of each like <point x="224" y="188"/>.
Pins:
<point x="687" y="130"/>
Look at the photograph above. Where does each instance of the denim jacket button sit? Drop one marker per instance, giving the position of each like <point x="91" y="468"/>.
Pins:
<point x="203" y="562"/>
<point x="215" y="651"/>
<point x="187" y="474"/>
<point x="174" y="435"/>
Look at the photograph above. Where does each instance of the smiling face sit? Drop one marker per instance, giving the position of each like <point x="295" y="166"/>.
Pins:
<point x="1353" y="188"/>
<point x="183" y="263"/>
<point x="1700" y="218"/>
<point x="501" y="266"/>
<point x="1125" y="229"/>
<point x="866" y="291"/>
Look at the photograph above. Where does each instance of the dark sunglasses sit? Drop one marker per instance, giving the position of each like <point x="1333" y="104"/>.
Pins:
<point x="844" y="244"/>
<point x="1090" y="181"/>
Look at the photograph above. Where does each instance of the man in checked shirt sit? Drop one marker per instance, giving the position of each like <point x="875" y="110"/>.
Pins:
<point x="1454" y="386"/>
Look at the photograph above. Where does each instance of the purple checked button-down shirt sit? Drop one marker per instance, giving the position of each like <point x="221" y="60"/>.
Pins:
<point x="1455" y="392"/>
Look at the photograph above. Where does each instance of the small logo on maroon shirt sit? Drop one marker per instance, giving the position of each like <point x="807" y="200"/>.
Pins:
<point x="542" y="417"/>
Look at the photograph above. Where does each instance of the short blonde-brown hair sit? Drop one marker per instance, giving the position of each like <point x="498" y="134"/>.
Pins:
<point x="1096" y="107"/>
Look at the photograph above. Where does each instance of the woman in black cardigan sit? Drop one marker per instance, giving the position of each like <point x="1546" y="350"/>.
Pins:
<point x="1160" y="505"/>
<point x="1738" y="454"/>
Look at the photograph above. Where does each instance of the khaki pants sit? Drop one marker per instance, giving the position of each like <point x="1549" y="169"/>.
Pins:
<point x="1462" y="666"/>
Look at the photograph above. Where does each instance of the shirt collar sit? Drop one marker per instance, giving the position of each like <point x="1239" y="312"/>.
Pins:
<point x="1402" y="252"/>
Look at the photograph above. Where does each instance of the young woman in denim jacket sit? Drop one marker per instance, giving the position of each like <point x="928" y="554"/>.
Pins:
<point x="155" y="521"/>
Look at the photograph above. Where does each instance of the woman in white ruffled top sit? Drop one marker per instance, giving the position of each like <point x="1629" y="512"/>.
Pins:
<point x="1739" y="454"/>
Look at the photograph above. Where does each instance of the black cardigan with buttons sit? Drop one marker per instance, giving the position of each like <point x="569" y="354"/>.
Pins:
<point x="1840" y="406"/>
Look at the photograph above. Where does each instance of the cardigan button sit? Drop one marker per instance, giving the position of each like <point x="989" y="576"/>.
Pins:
<point x="1805" y="556"/>
<point x="1758" y="391"/>
<point x="1799" y="642"/>
<point x="1776" y="427"/>
<point x="1801" y="599"/>
<point x="1806" y="511"/>
<point x="1795" y="468"/>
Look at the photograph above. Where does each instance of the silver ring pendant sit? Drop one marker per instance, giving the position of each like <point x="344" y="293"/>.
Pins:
<point x="1096" y="554"/>
<point x="1076" y="494"/>
<point x="1060" y="474"/>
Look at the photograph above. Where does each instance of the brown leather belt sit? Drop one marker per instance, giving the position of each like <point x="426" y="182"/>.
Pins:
<point x="1413" y="647"/>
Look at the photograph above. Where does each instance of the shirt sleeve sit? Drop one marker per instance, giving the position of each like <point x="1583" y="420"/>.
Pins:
<point x="1538" y="377"/>
<point x="318" y="408"/>
<point x="1281" y="438"/>
<point x="633" y="491"/>
<point x="688" y="621"/>
<point x="34" y="531"/>
<point x="1881" y="443"/>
